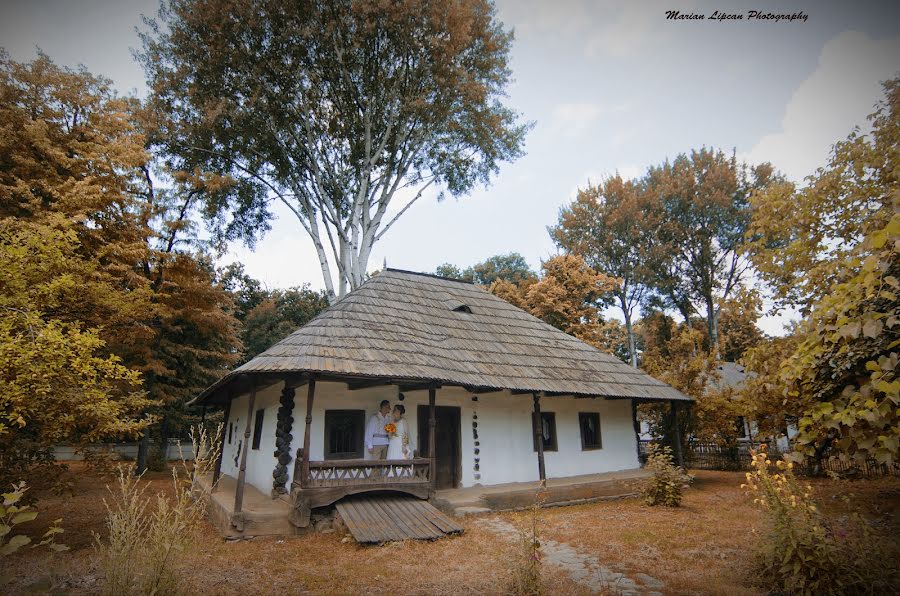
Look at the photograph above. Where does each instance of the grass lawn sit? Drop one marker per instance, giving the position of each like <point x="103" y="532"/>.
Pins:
<point x="703" y="547"/>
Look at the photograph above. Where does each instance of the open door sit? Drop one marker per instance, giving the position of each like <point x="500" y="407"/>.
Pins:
<point x="447" y="444"/>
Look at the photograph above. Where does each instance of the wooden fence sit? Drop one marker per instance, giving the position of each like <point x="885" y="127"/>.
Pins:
<point x="702" y="456"/>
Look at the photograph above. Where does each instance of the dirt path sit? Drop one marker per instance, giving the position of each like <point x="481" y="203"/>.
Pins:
<point x="584" y="569"/>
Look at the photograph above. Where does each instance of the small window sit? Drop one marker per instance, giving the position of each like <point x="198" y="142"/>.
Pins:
<point x="230" y="427"/>
<point x="589" y="422"/>
<point x="548" y="431"/>
<point x="344" y="433"/>
<point x="257" y="428"/>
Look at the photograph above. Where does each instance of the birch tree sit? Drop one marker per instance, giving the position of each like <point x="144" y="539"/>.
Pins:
<point x="345" y="112"/>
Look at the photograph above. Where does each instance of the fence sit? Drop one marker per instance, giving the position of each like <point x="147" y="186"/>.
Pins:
<point x="703" y="456"/>
<point x="126" y="451"/>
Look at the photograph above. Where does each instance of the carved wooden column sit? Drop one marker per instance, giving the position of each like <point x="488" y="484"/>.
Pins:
<point x="218" y="471"/>
<point x="283" y="438"/>
<point x="432" y="392"/>
<point x="679" y="455"/>
<point x="538" y="425"/>
<point x="237" y="518"/>
<point x="310" y="396"/>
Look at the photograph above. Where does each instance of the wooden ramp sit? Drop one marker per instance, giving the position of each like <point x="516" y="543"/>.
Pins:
<point x="383" y="518"/>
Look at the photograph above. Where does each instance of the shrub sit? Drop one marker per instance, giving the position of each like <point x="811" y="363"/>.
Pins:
<point x="12" y="514"/>
<point x="804" y="552"/>
<point x="526" y="562"/>
<point x="668" y="480"/>
<point x="139" y="555"/>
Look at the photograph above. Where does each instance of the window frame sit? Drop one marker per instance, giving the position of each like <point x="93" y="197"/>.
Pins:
<point x="596" y="416"/>
<point x="359" y="423"/>
<point x="258" y="421"/>
<point x="554" y="440"/>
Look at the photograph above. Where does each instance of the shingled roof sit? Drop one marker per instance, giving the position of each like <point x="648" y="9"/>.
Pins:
<point x="401" y="325"/>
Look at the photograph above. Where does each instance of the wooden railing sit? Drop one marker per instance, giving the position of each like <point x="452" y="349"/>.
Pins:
<point x="362" y="472"/>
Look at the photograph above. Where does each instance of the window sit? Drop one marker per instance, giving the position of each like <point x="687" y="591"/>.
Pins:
<point x="257" y="428"/>
<point x="230" y="427"/>
<point x="548" y="431"/>
<point x="344" y="432"/>
<point x="589" y="422"/>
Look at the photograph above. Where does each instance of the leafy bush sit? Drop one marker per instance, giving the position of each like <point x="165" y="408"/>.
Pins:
<point x="807" y="553"/>
<point x="143" y="544"/>
<point x="12" y="514"/>
<point x="668" y="480"/>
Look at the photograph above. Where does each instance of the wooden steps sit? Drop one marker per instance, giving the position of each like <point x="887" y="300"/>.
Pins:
<point x="373" y="519"/>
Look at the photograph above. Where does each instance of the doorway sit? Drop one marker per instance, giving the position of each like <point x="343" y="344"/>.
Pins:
<point x="447" y="444"/>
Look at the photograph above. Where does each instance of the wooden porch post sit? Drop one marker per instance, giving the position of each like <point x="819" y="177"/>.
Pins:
<point x="218" y="471"/>
<point x="538" y="425"/>
<point x="310" y="396"/>
<point x="679" y="455"/>
<point x="432" y="396"/>
<point x="245" y="447"/>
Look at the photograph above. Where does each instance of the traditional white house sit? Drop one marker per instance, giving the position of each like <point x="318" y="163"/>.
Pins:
<point x="473" y="371"/>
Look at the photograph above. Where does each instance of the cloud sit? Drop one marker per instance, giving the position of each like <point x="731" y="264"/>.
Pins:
<point x="576" y="118"/>
<point x="633" y="27"/>
<point x="837" y="96"/>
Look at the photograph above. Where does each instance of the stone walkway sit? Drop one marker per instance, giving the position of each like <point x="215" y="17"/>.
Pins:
<point x="583" y="569"/>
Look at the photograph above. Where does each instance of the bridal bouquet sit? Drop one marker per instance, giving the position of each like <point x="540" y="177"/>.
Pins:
<point x="390" y="428"/>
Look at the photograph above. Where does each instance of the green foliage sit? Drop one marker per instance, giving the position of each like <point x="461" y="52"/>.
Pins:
<point x="666" y="484"/>
<point x="844" y="370"/>
<point x="59" y="384"/>
<point x="805" y="552"/>
<point x="12" y="514"/>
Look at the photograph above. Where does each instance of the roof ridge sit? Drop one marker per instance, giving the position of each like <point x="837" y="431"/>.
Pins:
<point x="434" y="275"/>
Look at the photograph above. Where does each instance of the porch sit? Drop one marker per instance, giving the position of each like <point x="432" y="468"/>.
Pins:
<point x="568" y="490"/>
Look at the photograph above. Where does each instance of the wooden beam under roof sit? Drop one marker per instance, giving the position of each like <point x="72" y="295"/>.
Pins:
<point x="420" y="386"/>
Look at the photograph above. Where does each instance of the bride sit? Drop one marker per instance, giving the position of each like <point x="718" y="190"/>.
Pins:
<point x="398" y="443"/>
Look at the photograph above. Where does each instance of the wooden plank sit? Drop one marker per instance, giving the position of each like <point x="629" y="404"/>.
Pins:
<point x="383" y="518"/>
<point x="418" y="517"/>
<point x="350" y="518"/>
<point x="381" y="526"/>
<point x="419" y="529"/>
<point x="386" y="506"/>
<point x="440" y="521"/>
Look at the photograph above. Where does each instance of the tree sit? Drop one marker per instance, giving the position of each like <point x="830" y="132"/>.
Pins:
<point x="277" y="316"/>
<point x="737" y="324"/>
<point x="841" y="376"/>
<point x="611" y="228"/>
<point x="332" y="108"/>
<point x="76" y="154"/>
<point x="803" y="238"/>
<point x="451" y="271"/>
<point x="511" y="267"/>
<point x="704" y="205"/>
<point x="569" y="296"/>
<point x="59" y="384"/>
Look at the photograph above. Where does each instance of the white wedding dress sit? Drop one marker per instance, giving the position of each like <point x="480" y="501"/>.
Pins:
<point x="398" y="443"/>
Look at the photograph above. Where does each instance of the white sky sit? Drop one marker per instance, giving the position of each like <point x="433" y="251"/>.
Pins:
<point x="612" y="86"/>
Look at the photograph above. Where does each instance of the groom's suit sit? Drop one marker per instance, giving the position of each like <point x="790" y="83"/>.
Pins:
<point x="376" y="437"/>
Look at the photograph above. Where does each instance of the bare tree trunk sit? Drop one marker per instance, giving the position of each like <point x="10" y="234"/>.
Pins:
<point x="140" y="465"/>
<point x="712" y="325"/>
<point x="629" y="330"/>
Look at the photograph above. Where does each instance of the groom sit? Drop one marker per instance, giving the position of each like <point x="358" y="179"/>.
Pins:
<point x="376" y="436"/>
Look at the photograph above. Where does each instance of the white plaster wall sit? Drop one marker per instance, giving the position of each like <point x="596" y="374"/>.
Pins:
<point x="260" y="462"/>
<point x="504" y="432"/>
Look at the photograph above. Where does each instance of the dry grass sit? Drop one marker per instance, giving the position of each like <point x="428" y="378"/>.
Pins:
<point x="701" y="547"/>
